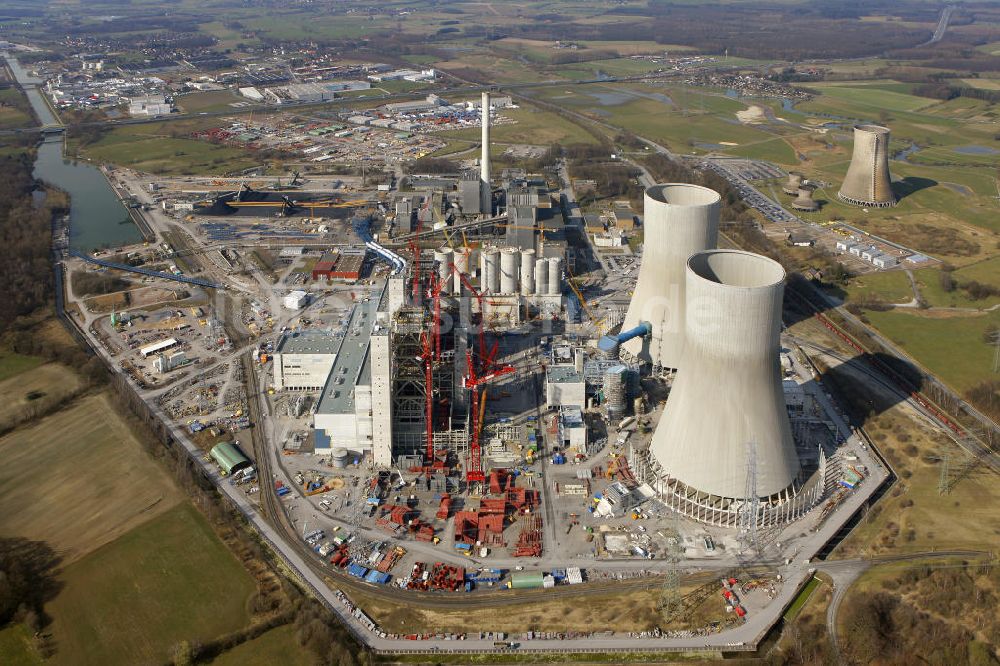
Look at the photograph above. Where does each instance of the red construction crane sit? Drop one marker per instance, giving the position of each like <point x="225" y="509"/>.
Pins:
<point x="474" y="468"/>
<point x="482" y="315"/>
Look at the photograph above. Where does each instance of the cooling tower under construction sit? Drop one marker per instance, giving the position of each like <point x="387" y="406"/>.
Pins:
<point x="727" y="399"/>
<point x="867" y="182"/>
<point x="679" y="220"/>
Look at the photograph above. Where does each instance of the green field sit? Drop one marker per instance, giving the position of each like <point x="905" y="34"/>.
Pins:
<point x="13" y="109"/>
<point x="276" y="646"/>
<point x="885" y="286"/>
<point x="169" y="580"/>
<point x="533" y="126"/>
<point x="16" y="648"/>
<point x="209" y="101"/>
<point x="952" y="348"/>
<point x="800" y="601"/>
<point x="14" y="364"/>
<point x="166" y="148"/>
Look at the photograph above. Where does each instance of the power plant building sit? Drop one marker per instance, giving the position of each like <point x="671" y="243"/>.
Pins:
<point x="680" y="219"/>
<point x="867" y="182"/>
<point x="303" y="360"/>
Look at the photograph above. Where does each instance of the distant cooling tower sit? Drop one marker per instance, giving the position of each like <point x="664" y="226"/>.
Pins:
<point x="867" y="182"/>
<point x="679" y="220"/>
<point x="804" y="200"/>
<point x="794" y="181"/>
<point x="728" y="392"/>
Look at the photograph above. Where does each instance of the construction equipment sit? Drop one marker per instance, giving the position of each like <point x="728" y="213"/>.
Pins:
<point x="474" y="469"/>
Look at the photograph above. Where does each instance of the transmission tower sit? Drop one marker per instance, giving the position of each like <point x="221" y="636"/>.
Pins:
<point x="671" y="604"/>
<point x="944" y="479"/>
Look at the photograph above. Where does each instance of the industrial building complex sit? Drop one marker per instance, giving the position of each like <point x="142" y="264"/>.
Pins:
<point x="416" y="370"/>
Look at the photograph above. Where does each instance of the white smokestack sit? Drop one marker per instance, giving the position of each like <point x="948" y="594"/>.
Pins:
<point x="485" y="189"/>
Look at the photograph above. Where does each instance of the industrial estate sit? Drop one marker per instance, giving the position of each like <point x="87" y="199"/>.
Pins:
<point x="460" y="375"/>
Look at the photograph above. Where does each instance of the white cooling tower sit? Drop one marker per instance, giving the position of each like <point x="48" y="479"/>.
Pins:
<point x="728" y="390"/>
<point x="679" y="220"/>
<point x="510" y="267"/>
<point x="527" y="272"/>
<point x="541" y="277"/>
<point x="554" y="278"/>
<point x="444" y="256"/>
<point x="463" y="259"/>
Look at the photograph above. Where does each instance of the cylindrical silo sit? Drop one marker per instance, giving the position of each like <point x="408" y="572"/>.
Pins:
<point x="491" y="274"/>
<point x="527" y="272"/>
<point x="727" y="396"/>
<point x="614" y="392"/>
<point x="338" y="458"/>
<point x="867" y="182"/>
<point x="541" y="277"/>
<point x="680" y="219"/>
<point x="443" y="256"/>
<point x="510" y="267"/>
<point x="554" y="279"/>
<point x="463" y="259"/>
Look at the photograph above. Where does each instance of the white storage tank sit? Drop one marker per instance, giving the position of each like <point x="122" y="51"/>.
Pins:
<point x="554" y="280"/>
<point x="510" y="266"/>
<point x="541" y="276"/>
<point x="527" y="272"/>
<point x="338" y="458"/>
<point x="463" y="259"/>
<point x="443" y="256"/>
<point x="491" y="273"/>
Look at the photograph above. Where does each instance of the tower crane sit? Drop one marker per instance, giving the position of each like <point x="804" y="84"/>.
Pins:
<point x="472" y="381"/>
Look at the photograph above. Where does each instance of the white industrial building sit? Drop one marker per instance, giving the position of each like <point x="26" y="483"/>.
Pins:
<point x="149" y="105"/>
<point x="296" y="300"/>
<point x="572" y="428"/>
<point x="564" y="386"/>
<point x="303" y="360"/>
<point x="252" y="94"/>
<point x="164" y="364"/>
<point x="343" y="417"/>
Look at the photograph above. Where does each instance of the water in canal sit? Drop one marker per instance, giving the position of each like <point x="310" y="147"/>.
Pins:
<point x="97" y="217"/>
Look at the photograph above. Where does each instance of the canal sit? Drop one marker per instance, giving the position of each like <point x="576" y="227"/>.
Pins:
<point x="98" y="219"/>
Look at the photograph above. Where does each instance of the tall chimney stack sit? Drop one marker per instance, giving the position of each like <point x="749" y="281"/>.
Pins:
<point x="485" y="190"/>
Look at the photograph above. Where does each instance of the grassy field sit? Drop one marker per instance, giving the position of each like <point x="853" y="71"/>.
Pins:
<point x="951" y="347"/>
<point x="276" y="646"/>
<point x="12" y="364"/>
<point x="166" y="148"/>
<point x="168" y="580"/>
<point x="888" y="287"/>
<point x="13" y="112"/>
<point x="16" y="648"/>
<point x="212" y="100"/>
<point x="79" y="479"/>
<point x="46" y="385"/>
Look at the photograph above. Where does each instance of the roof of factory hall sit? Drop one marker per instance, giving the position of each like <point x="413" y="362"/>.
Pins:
<point x="309" y="342"/>
<point x="338" y="394"/>
<point x="563" y="374"/>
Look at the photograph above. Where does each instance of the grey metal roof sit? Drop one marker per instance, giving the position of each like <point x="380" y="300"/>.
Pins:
<point x="308" y="342"/>
<point x="564" y="374"/>
<point x="338" y="394"/>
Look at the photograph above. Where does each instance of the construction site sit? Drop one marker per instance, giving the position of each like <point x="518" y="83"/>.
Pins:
<point x="417" y="378"/>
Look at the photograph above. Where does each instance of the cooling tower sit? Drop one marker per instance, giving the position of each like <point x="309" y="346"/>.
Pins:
<point x="527" y="272"/>
<point x="804" y="200"/>
<point x="794" y="181"/>
<point x="485" y="189"/>
<point x="679" y="220"/>
<point x="444" y="257"/>
<point x="463" y="259"/>
<point x="510" y="268"/>
<point x="867" y="182"/>
<point x="541" y="277"/>
<point x="554" y="279"/>
<point x="728" y="391"/>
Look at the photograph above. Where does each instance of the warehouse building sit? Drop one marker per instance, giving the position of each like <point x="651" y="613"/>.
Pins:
<point x="343" y="416"/>
<point x="345" y="265"/>
<point x="303" y="360"/>
<point x="229" y="458"/>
